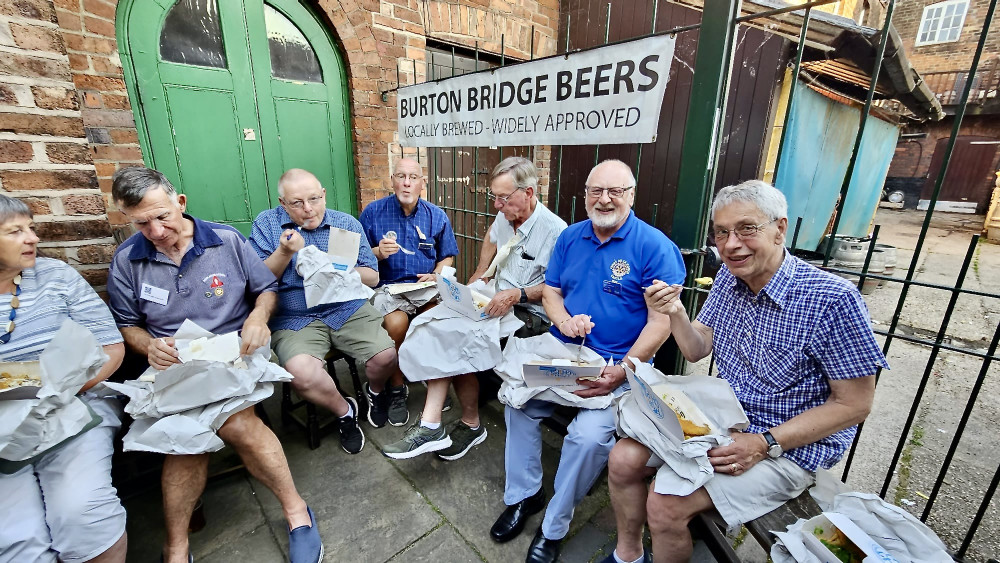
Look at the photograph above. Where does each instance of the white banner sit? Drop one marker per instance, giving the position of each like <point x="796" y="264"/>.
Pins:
<point x="609" y="95"/>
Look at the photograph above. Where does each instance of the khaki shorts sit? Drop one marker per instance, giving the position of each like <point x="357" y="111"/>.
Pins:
<point x="361" y="337"/>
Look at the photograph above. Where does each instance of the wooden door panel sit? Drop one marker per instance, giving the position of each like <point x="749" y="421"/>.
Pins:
<point x="970" y="171"/>
<point x="305" y="143"/>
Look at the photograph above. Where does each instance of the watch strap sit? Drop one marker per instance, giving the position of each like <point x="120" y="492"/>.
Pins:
<point x="524" y="296"/>
<point x="769" y="438"/>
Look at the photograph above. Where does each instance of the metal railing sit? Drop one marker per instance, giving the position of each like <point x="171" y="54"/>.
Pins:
<point x="948" y="86"/>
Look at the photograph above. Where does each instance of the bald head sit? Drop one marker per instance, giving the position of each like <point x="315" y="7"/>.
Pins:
<point x="297" y="177"/>
<point x="303" y="197"/>
<point x="407" y="166"/>
<point x="614" y="168"/>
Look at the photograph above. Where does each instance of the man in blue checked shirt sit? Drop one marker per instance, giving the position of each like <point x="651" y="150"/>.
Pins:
<point x="303" y="336"/>
<point x="796" y="345"/>
<point x="412" y="240"/>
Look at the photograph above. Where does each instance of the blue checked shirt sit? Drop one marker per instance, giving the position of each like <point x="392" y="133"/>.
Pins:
<point x="778" y="349"/>
<point x="292" y="312"/>
<point x="426" y="232"/>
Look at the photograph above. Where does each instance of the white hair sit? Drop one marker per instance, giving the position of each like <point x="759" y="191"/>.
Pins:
<point x="768" y="199"/>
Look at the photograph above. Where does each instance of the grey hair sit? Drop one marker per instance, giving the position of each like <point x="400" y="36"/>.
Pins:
<point x="130" y="185"/>
<point x="521" y="170"/>
<point x="767" y="198"/>
<point x="13" y="208"/>
<point x="625" y="167"/>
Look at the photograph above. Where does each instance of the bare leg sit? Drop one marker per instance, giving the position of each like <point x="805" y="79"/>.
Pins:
<point x="437" y="390"/>
<point x="261" y="452"/>
<point x="182" y="481"/>
<point x="627" y="474"/>
<point x="467" y="388"/>
<point x="668" y="523"/>
<point x="380" y="368"/>
<point x="115" y="553"/>
<point x="314" y="384"/>
<point x="396" y="323"/>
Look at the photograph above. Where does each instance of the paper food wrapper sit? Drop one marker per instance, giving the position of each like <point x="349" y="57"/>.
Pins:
<point x="406" y="297"/>
<point x="442" y="342"/>
<point x="20" y="380"/>
<point x="683" y="464"/>
<point x="31" y="426"/>
<point x="897" y="532"/>
<point x="179" y="411"/>
<point x="327" y="279"/>
<point x="519" y="351"/>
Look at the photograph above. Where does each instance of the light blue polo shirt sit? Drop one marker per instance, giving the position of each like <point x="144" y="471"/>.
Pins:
<point x="216" y="284"/>
<point x="605" y="280"/>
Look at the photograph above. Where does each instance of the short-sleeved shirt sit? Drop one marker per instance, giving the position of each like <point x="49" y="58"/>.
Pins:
<point x="605" y="280"/>
<point x="51" y="292"/>
<point x="426" y="232"/>
<point x="526" y="264"/>
<point x="216" y="284"/>
<point x="779" y="348"/>
<point x="293" y="314"/>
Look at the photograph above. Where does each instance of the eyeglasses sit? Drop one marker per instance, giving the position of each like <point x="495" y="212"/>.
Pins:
<point x="742" y="232"/>
<point x="613" y="193"/>
<point x="413" y="177"/>
<point x="501" y="198"/>
<point x="299" y="204"/>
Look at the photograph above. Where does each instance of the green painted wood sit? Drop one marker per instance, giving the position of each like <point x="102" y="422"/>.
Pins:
<point x="194" y="120"/>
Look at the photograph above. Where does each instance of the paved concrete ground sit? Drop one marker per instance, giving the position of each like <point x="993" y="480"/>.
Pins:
<point x="371" y="508"/>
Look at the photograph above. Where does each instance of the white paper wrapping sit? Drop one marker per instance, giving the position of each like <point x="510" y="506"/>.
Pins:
<point x="442" y="342"/>
<point x="386" y="302"/>
<point x="518" y="351"/>
<point x="897" y="531"/>
<point x="683" y="465"/>
<point x="324" y="283"/>
<point x="28" y="427"/>
<point x="180" y="412"/>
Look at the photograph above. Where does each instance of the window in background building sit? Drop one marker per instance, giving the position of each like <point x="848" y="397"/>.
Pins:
<point x="942" y="22"/>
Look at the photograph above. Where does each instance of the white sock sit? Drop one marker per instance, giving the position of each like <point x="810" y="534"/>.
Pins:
<point x="350" y="411"/>
<point x="620" y="560"/>
<point x="476" y="427"/>
<point x="431" y="425"/>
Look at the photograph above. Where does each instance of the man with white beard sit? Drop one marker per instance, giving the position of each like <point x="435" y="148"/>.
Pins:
<point x="594" y="289"/>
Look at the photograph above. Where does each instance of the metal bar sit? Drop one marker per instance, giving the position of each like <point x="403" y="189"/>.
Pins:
<point x="839" y="209"/>
<point x="607" y="36"/>
<point x="794" y="79"/>
<point x="905" y="433"/>
<point x="502" y="49"/>
<point x="959" y="115"/>
<point x="555" y="209"/>
<point x="868" y="257"/>
<point x="987" y="498"/>
<point x="911" y="282"/>
<point x="777" y="11"/>
<point x="798" y="227"/>
<point x="943" y="346"/>
<point x="656" y="211"/>
<point x="572" y="210"/>
<point x="656" y="5"/>
<point x="973" y="396"/>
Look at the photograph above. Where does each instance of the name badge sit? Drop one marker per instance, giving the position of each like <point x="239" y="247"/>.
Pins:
<point x="154" y="294"/>
<point x="614" y="288"/>
<point x="425" y="245"/>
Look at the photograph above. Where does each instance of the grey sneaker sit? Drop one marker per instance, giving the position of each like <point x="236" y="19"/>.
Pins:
<point x="463" y="439"/>
<point x="418" y="440"/>
<point x="398" y="413"/>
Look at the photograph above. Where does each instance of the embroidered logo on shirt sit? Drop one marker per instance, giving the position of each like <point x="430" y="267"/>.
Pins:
<point x="619" y="269"/>
<point x="215" y="284"/>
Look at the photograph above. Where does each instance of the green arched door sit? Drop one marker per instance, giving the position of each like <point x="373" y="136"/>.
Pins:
<point x="228" y="95"/>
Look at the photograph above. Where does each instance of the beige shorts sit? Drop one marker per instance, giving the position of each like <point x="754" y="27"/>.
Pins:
<point x="763" y="488"/>
<point x="361" y="337"/>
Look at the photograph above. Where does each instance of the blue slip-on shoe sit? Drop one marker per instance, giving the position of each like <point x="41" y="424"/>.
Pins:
<point x="304" y="543"/>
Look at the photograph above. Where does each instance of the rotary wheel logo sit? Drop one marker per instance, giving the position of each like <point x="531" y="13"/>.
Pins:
<point x="619" y="269"/>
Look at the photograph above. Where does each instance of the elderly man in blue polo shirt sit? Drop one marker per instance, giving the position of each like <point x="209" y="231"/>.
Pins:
<point x="593" y="289"/>
<point x="412" y="240"/>
<point x="178" y="267"/>
<point x="303" y="336"/>
<point x="795" y="344"/>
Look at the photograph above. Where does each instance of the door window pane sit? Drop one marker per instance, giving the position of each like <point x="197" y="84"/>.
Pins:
<point x="292" y="58"/>
<point x="191" y="34"/>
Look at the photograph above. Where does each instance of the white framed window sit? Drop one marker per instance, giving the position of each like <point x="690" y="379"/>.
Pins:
<point x="942" y="22"/>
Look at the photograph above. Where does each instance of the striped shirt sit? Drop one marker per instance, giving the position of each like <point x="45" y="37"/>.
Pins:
<point x="779" y="349"/>
<point x="51" y="292"/>
<point x="426" y="232"/>
<point x="525" y="265"/>
<point x="293" y="314"/>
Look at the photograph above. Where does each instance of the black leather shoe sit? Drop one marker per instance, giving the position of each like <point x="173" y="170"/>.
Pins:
<point x="511" y="522"/>
<point x="542" y="549"/>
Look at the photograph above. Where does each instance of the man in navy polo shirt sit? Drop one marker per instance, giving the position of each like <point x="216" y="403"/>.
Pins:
<point x="175" y="268"/>
<point x="303" y="335"/>
<point x="593" y="287"/>
<point x="412" y="240"/>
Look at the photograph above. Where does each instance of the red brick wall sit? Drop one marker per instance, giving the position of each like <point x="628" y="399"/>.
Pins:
<point x="913" y="156"/>
<point x="45" y="157"/>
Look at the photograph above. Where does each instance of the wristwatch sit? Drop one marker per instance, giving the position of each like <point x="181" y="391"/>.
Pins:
<point x="524" y="296"/>
<point x="774" y="450"/>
